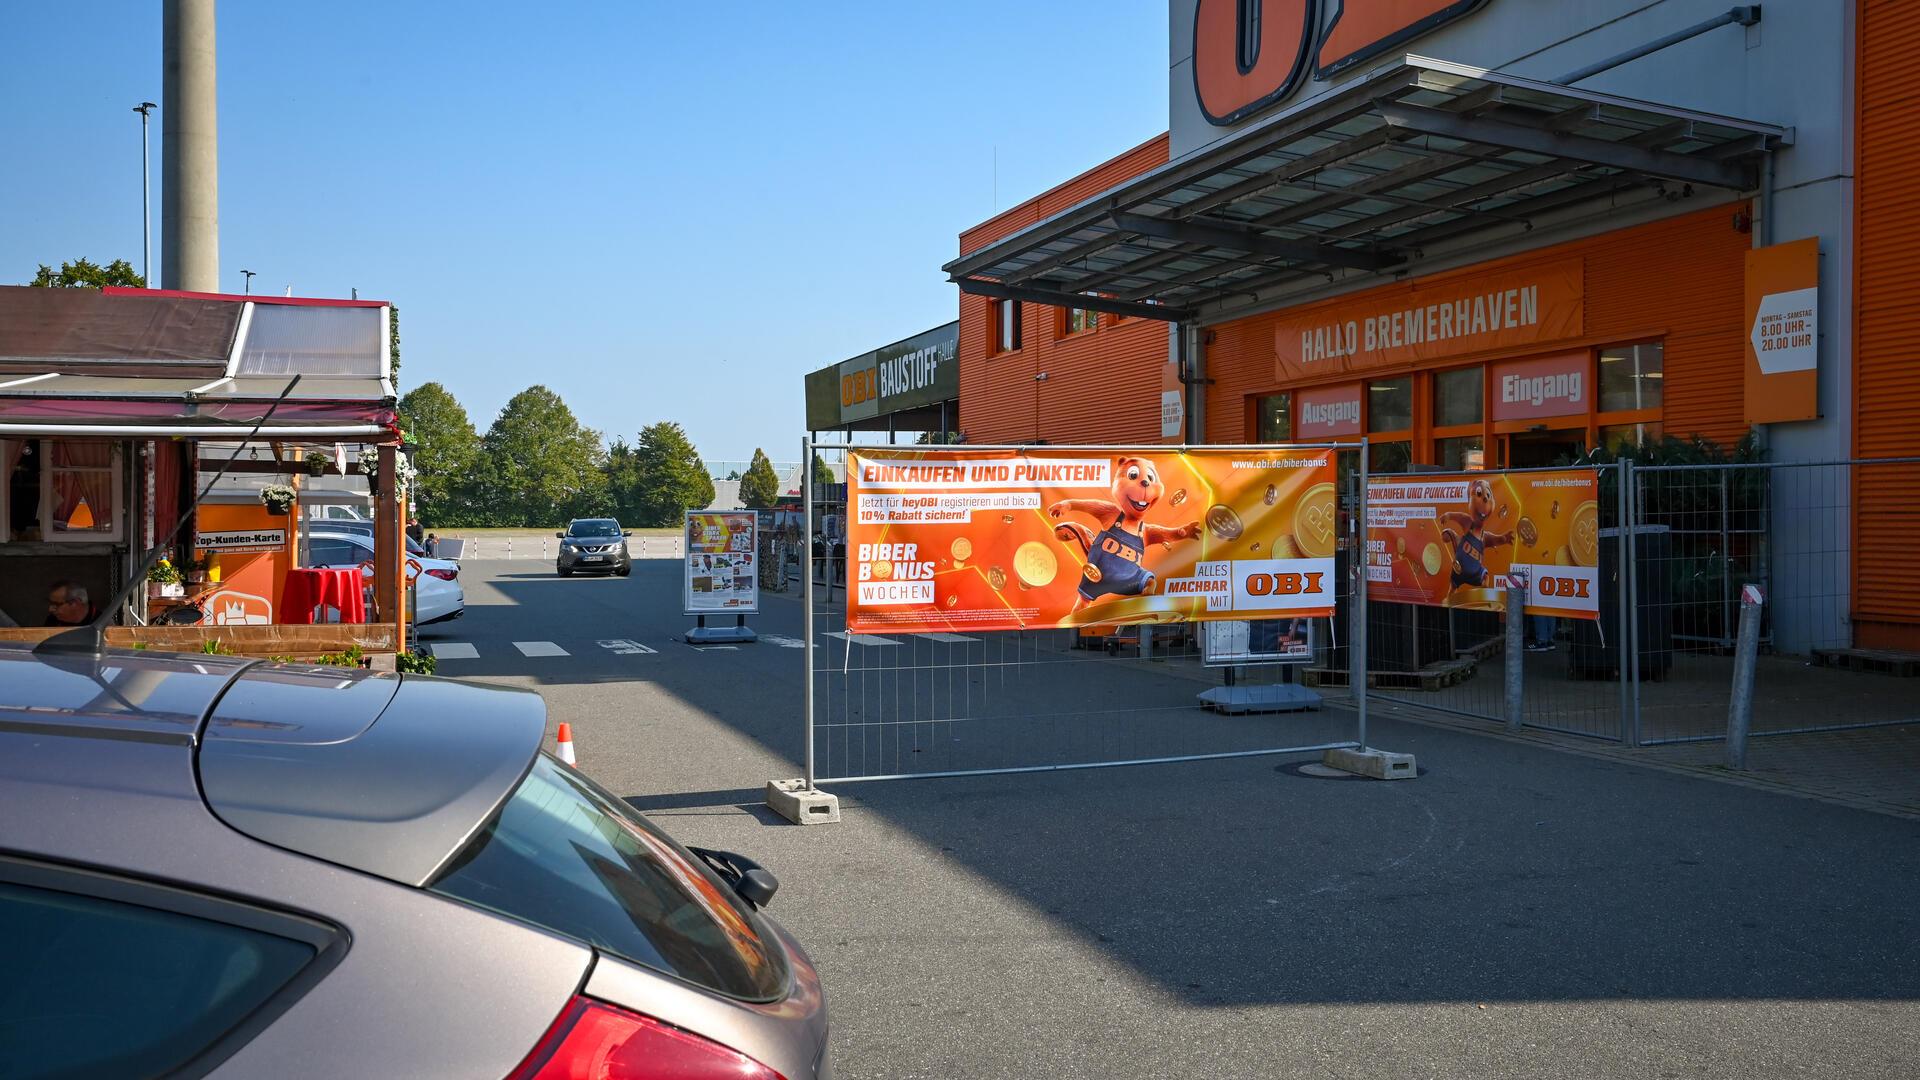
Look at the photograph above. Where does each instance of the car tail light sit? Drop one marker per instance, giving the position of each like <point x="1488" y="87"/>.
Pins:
<point x="596" y="1041"/>
<point x="443" y="573"/>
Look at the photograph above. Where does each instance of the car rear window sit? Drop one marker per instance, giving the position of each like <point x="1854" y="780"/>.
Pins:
<point x="97" y="987"/>
<point x="565" y="854"/>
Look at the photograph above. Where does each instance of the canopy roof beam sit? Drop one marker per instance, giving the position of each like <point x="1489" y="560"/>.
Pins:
<point x="1243" y="238"/>
<point x="1064" y="299"/>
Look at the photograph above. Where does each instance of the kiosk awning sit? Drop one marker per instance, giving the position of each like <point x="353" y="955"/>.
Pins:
<point x="1421" y="154"/>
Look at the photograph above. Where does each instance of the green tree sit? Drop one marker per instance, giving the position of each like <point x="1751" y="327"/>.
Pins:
<point x="393" y="341"/>
<point x="539" y="466"/>
<point x="668" y="477"/>
<point x="85" y="274"/>
<point x="449" y="452"/>
<point x="760" y="488"/>
<point x="822" y="473"/>
<point x="623" y="482"/>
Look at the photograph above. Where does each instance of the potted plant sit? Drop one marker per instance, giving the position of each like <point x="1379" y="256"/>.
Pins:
<point x="163" y="580"/>
<point x="317" y="463"/>
<point x="278" y="499"/>
<point x="197" y="570"/>
<point x="370" y="465"/>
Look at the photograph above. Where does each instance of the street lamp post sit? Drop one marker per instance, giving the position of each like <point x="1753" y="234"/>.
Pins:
<point x="247" y="289"/>
<point x="146" y="200"/>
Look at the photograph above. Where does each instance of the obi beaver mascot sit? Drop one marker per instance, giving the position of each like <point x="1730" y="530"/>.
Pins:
<point x="1468" y="535"/>
<point x="1116" y="555"/>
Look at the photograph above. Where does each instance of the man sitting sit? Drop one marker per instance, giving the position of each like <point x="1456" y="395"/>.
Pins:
<point x="69" y="605"/>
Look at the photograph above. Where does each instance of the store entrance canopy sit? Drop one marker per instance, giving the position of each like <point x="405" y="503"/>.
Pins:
<point x="1419" y="156"/>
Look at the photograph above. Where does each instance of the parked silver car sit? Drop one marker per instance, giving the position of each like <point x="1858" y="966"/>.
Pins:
<point x="217" y="866"/>
<point x="593" y="544"/>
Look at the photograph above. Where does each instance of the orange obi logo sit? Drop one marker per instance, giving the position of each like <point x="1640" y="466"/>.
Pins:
<point x="1115" y="547"/>
<point x="1288" y="584"/>
<point x="1573" y="588"/>
<point x="859" y="386"/>
<point x="1249" y="54"/>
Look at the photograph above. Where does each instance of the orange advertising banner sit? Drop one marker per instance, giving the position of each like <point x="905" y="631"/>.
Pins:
<point x="1427" y="321"/>
<point x="1453" y="540"/>
<point x="944" y="540"/>
<point x="1783" y="332"/>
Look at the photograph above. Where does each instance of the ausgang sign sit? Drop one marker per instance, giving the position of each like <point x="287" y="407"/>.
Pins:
<point x="1243" y="63"/>
<point x="905" y="375"/>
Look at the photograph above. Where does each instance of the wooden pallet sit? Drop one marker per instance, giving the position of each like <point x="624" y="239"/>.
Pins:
<point x="1486" y="650"/>
<point x="1430" y="678"/>
<point x="1904" y="665"/>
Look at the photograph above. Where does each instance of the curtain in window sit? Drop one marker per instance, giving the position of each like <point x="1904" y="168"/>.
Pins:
<point x="83" y="472"/>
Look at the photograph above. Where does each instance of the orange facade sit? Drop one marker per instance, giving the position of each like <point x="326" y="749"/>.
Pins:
<point x="1102" y="373"/>
<point x="1886" y="398"/>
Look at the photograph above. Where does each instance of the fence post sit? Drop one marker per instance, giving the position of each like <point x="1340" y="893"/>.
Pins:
<point x="1516" y="665"/>
<point x="1745" y="658"/>
<point x="806" y="606"/>
<point x="1629" y="606"/>
<point x="1357" y="630"/>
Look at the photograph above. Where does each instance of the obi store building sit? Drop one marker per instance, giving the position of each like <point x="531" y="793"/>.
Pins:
<point x="1490" y="233"/>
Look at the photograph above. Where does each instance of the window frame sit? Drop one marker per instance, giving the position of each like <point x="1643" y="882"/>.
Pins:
<point x="1005" y="329"/>
<point x="115" y="470"/>
<point x="329" y="941"/>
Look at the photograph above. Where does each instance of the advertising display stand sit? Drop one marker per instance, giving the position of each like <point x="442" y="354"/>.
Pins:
<point x="1241" y="644"/>
<point x="722" y="575"/>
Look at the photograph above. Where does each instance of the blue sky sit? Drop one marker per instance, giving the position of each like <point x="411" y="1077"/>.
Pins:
<point x="660" y="210"/>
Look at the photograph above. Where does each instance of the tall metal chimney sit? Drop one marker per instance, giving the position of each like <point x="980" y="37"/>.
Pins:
<point x="190" y="152"/>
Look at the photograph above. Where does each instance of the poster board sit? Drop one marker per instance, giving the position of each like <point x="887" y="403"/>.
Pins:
<point x="1239" y="643"/>
<point x="1452" y="540"/>
<point x="967" y="540"/>
<point x="722" y="575"/>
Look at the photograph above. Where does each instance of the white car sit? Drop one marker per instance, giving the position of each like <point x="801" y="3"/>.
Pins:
<point x="437" y="593"/>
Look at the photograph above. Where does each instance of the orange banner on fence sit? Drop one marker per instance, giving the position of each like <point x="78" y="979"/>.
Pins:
<point x="1433" y="320"/>
<point x="1453" y="540"/>
<point x="943" y="540"/>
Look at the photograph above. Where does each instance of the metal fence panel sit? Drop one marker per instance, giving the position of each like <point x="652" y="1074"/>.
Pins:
<point x="886" y="706"/>
<point x="1788" y="528"/>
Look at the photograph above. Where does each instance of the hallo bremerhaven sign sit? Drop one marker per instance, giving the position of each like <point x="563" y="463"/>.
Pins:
<point x="909" y="374"/>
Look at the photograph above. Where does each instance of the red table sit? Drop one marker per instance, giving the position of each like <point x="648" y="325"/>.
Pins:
<point x="311" y="588"/>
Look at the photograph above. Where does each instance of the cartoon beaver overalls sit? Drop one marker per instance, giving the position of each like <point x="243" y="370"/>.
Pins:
<point x="1116" y="556"/>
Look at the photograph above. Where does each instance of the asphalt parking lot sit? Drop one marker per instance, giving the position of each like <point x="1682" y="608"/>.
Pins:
<point x="1513" y="912"/>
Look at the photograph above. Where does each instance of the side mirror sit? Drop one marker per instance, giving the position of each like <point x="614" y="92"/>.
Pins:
<point x="628" y="532"/>
<point x="562" y="534"/>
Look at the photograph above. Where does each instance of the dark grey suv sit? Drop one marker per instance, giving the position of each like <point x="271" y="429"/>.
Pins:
<point x="593" y="544"/>
<point x="217" y="866"/>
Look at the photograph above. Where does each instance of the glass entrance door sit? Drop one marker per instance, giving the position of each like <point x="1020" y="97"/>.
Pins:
<point x="1541" y="449"/>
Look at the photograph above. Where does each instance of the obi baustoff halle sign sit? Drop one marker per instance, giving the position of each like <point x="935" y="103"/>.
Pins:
<point x="915" y="373"/>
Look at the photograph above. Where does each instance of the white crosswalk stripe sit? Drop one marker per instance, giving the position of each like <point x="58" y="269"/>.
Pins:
<point x="540" y="648"/>
<point x="862" y="639"/>
<point x="624" y="647"/>
<point x="783" y="642"/>
<point x="454" y="650"/>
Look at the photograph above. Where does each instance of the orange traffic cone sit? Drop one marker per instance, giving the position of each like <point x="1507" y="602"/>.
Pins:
<point x="564" y="737"/>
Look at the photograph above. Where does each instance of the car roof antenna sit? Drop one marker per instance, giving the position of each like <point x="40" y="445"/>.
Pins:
<point x="91" y="638"/>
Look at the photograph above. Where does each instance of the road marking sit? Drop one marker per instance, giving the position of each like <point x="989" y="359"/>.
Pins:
<point x="949" y="638"/>
<point x="453" y="650"/>
<point x="712" y="648"/>
<point x="540" y="648"/>
<point x="783" y="642"/>
<point x="625" y="647"/>
<point x="862" y="639"/>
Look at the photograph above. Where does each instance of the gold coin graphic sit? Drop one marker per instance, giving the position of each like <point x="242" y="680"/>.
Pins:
<point x="1554" y="510"/>
<point x="882" y="570"/>
<point x="997" y="578"/>
<point x="1316" y="522"/>
<point x="1433" y="558"/>
<point x="1272" y="496"/>
<point x="1563" y="557"/>
<point x="1529" y="534"/>
<point x="1178" y="497"/>
<point x="1583" y="534"/>
<point x="1035" y="563"/>
<point x="962" y="548"/>
<point x="1092" y="572"/>
<point x="1224" y="523"/>
<point x="1006" y="519"/>
<point x="1255" y="547"/>
<point x="1283" y="548"/>
<point x="953" y="601"/>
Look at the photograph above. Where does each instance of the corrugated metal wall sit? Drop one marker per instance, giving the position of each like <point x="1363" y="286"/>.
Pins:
<point x="1886" y="601"/>
<point x="1679" y="279"/>
<point x="1101" y="386"/>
